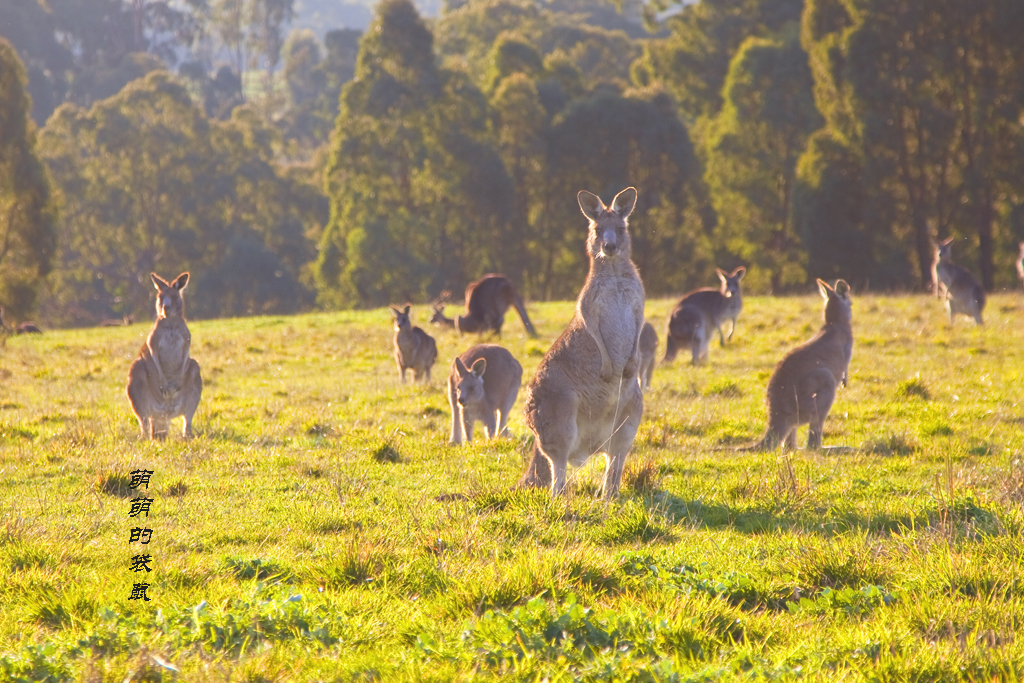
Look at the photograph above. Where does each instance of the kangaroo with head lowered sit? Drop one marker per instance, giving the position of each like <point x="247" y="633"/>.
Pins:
<point x="648" y="354"/>
<point x="803" y="386"/>
<point x="960" y="289"/>
<point x="487" y="299"/>
<point x="585" y="397"/>
<point x="414" y="348"/>
<point x="483" y="385"/>
<point x="164" y="382"/>
<point x="691" y="321"/>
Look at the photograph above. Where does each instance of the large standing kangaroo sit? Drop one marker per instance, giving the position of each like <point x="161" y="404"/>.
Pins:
<point x="164" y="382"/>
<point x="585" y="397"/>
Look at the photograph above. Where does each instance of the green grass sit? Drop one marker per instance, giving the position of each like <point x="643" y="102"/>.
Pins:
<point x="319" y="527"/>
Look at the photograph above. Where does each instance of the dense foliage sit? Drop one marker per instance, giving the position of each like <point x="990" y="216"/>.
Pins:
<point x="27" y="230"/>
<point x="799" y="138"/>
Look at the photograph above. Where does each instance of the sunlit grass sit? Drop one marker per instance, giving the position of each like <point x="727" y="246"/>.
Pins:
<point x="319" y="527"/>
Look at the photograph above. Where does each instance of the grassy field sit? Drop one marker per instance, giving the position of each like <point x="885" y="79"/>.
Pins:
<point x="319" y="527"/>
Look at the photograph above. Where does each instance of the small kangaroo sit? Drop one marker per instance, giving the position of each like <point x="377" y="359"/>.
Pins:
<point x="487" y="299"/>
<point x="803" y="386"/>
<point x="483" y="383"/>
<point x="691" y="320"/>
<point x="414" y="348"/>
<point x="956" y="285"/>
<point x="1020" y="263"/>
<point x="648" y="353"/>
<point x="164" y="382"/>
<point x="585" y="397"/>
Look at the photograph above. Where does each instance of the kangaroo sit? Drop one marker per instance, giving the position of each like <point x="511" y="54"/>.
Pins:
<point x="803" y="386"/>
<point x="414" y="348"/>
<point x="27" y="328"/>
<point x="585" y="397"/>
<point x="483" y="383"/>
<point x="126" y="321"/>
<point x="1020" y="263"/>
<point x="956" y="285"/>
<point x="487" y="299"/>
<point x="691" y="320"/>
<point x="164" y="382"/>
<point x="648" y="353"/>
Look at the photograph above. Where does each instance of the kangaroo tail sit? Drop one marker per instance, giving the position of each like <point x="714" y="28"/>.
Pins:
<point x="538" y="471"/>
<point x="521" y="310"/>
<point x="670" y="349"/>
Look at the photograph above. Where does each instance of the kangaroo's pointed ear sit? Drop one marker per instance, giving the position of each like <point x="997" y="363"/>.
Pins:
<point x="480" y="367"/>
<point x="842" y="289"/>
<point x="460" y="367"/>
<point x="394" y="311"/>
<point x="590" y="204"/>
<point x="158" y="282"/>
<point x="824" y="289"/>
<point x="722" y="275"/>
<point x="948" y="240"/>
<point x="180" y="282"/>
<point x="407" y="309"/>
<point x="739" y="273"/>
<point x="624" y="202"/>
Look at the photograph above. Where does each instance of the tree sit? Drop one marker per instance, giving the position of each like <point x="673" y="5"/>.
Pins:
<point x="922" y="92"/>
<point x="767" y="115"/>
<point x="418" y="194"/>
<point x="148" y="183"/>
<point x="607" y="143"/>
<point x="693" y="61"/>
<point x="27" y="220"/>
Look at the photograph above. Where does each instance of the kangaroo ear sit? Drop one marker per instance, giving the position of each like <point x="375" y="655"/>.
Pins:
<point x="480" y="367"/>
<point x="948" y="240"/>
<point x="590" y="204"/>
<point x="624" y="202"/>
<point x="824" y="289"/>
<point x="158" y="282"/>
<point x="394" y="311"/>
<point x="180" y="282"/>
<point x="721" y="274"/>
<point x="407" y="309"/>
<point x="842" y="289"/>
<point x="739" y="272"/>
<point x="460" y="367"/>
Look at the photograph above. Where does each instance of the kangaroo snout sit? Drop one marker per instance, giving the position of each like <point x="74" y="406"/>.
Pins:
<point x="609" y="243"/>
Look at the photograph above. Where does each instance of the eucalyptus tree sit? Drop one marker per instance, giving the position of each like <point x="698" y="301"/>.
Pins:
<point x="753" y="145"/>
<point x="27" y="225"/>
<point x="419" y="197"/>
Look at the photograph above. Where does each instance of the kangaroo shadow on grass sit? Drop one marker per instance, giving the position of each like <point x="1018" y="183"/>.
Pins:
<point x="756" y="518"/>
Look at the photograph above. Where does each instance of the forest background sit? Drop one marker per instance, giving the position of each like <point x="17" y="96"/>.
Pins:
<point x="328" y="156"/>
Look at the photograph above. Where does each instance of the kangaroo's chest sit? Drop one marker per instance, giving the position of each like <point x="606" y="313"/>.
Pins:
<point x="619" y="321"/>
<point x="170" y="343"/>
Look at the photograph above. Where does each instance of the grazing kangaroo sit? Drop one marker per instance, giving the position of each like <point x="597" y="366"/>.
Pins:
<point x="414" y="348"/>
<point x="483" y="384"/>
<point x="648" y="353"/>
<point x="803" y="386"/>
<point x="956" y="285"/>
<point x="126" y="321"/>
<point x="1020" y="263"/>
<point x="691" y="320"/>
<point x="585" y="397"/>
<point x="27" y="328"/>
<point x="164" y="382"/>
<point x="487" y="299"/>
